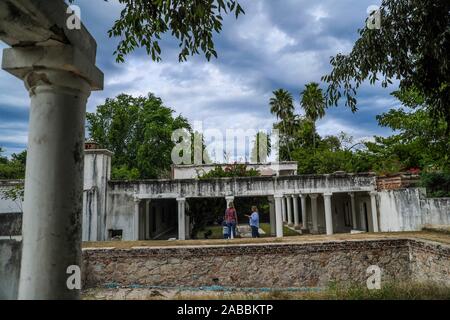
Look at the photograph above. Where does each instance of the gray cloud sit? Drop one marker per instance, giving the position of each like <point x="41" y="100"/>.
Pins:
<point x="278" y="43"/>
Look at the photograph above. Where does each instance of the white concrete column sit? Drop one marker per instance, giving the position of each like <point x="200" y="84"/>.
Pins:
<point x="59" y="80"/>
<point x="279" y="215"/>
<point x="289" y="209"/>
<point x="304" y="213"/>
<point x="315" y="227"/>
<point x="137" y="209"/>
<point x="229" y="199"/>
<point x="373" y="202"/>
<point x="273" y="228"/>
<point x="328" y="213"/>
<point x="296" y="213"/>
<point x="353" y="210"/>
<point x="181" y="218"/>
<point x="284" y="210"/>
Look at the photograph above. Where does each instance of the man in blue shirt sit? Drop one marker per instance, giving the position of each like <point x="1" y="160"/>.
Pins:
<point x="254" y="222"/>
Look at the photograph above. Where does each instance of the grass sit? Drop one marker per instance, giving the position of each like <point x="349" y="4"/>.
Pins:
<point x="388" y="291"/>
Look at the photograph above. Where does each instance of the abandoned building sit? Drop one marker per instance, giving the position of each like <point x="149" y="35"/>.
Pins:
<point x="318" y="204"/>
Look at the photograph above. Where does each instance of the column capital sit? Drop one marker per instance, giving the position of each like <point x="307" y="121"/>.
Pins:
<point x="278" y="196"/>
<point x="351" y="194"/>
<point x="327" y="194"/>
<point x="32" y="64"/>
<point x="294" y="195"/>
<point x="373" y="193"/>
<point x="303" y="195"/>
<point x="313" y="195"/>
<point x="181" y="199"/>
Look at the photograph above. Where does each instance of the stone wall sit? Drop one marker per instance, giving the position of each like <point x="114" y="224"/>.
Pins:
<point x="10" y="224"/>
<point x="430" y="262"/>
<point x="257" y="266"/>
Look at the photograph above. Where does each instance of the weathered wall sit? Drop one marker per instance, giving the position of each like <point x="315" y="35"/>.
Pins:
<point x="280" y="265"/>
<point x="430" y="263"/>
<point x="97" y="173"/>
<point x="410" y="210"/>
<point x="10" y="224"/>
<point x="10" y="251"/>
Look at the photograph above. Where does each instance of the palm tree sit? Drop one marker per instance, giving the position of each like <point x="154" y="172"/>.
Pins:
<point x="313" y="102"/>
<point x="282" y="106"/>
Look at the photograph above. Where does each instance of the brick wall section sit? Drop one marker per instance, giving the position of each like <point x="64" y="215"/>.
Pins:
<point x="398" y="181"/>
<point x="254" y="266"/>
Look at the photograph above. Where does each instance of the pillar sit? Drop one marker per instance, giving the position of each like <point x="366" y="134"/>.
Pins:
<point x="304" y="213"/>
<point x="289" y="209"/>
<point x="147" y="219"/>
<point x="181" y="218"/>
<point x="59" y="80"/>
<point x="229" y="199"/>
<point x="328" y="213"/>
<point x="279" y="215"/>
<point x="353" y="208"/>
<point x="137" y="207"/>
<point x="373" y="202"/>
<point x="296" y="213"/>
<point x="273" y="228"/>
<point x="315" y="227"/>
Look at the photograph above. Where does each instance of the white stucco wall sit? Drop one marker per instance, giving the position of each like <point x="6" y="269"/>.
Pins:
<point x="410" y="210"/>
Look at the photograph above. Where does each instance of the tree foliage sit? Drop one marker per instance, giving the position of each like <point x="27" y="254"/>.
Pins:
<point x="230" y="171"/>
<point x="13" y="168"/>
<point x="313" y="102"/>
<point x="138" y="130"/>
<point x="412" y="46"/>
<point x="193" y="23"/>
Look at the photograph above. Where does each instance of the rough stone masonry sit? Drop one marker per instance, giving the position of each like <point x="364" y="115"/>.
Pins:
<point x="268" y="265"/>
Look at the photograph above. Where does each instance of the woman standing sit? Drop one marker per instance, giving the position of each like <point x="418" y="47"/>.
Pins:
<point x="231" y="220"/>
<point x="254" y="222"/>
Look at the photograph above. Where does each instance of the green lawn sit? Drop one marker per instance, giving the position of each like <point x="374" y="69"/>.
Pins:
<point x="217" y="232"/>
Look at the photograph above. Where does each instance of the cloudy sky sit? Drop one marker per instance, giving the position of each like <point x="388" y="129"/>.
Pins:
<point x="276" y="44"/>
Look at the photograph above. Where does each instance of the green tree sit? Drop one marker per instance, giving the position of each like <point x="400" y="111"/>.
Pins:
<point x="138" y="130"/>
<point x="261" y="148"/>
<point x="419" y="141"/>
<point x="282" y="106"/>
<point x="13" y="168"/>
<point x="142" y="23"/>
<point x="412" y="45"/>
<point x="313" y="102"/>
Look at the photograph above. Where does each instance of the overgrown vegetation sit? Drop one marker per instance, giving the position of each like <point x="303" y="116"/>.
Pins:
<point x="232" y="170"/>
<point x="13" y="168"/>
<point x="436" y="183"/>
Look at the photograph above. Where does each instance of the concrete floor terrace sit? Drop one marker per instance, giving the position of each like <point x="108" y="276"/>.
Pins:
<point x="440" y="237"/>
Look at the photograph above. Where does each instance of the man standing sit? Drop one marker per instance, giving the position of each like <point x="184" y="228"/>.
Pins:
<point x="254" y="222"/>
